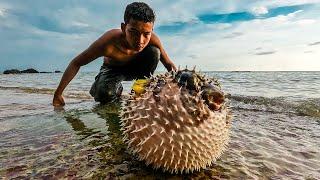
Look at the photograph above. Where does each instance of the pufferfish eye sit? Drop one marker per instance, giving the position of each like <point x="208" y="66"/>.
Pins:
<point x="211" y="94"/>
<point x="187" y="79"/>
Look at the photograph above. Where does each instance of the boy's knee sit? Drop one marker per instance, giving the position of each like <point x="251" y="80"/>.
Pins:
<point x="106" y="92"/>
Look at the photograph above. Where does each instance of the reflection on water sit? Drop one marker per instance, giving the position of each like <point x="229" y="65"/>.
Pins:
<point x="87" y="143"/>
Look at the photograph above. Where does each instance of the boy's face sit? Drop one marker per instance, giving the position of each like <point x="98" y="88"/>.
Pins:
<point x="137" y="33"/>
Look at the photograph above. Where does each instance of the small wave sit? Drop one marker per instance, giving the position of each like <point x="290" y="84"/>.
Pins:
<point x="29" y="90"/>
<point x="32" y="90"/>
<point x="309" y="108"/>
<point x="78" y="95"/>
<point x="306" y="107"/>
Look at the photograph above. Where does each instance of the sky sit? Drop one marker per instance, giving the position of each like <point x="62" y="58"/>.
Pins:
<point x="215" y="35"/>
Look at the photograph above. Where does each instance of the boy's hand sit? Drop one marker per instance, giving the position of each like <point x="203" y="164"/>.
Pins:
<point x="58" y="100"/>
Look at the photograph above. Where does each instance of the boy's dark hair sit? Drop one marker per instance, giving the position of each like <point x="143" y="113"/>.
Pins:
<point x="139" y="11"/>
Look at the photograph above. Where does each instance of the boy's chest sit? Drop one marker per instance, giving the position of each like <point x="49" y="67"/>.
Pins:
<point x="118" y="57"/>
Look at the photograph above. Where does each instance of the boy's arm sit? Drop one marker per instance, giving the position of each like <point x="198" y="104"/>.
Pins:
<point x="164" y="57"/>
<point x="91" y="53"/>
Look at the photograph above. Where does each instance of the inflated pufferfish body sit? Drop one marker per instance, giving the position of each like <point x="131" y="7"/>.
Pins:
<point x="180" y="123"/>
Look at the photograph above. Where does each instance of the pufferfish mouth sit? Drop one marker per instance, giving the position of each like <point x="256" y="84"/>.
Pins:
<point x="210" y="93"/>
<point x="213" y="97"/>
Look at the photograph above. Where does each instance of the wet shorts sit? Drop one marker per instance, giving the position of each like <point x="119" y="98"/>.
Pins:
<point x="107" y="86"/>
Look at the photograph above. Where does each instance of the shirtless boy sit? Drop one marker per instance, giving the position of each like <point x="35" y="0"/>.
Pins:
<point x="131" y="52"/>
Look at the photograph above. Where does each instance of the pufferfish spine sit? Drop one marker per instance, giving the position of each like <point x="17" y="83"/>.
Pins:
<point x="175" y="124"/>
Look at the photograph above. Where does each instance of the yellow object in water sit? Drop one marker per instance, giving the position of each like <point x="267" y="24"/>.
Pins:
<point x="139" y="86"/>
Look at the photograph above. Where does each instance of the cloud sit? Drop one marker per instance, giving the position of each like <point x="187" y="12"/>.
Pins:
<point x="2" y="12"/>
<point x="216" y="52"/>
<point x="260" y="10"/>
<point x="233" y="35"/>
<point x="188" y="10"/>
<point x="260" y="51"/>
<point x="233" y="17"/>
<point x="265" y="53"/>
<point x="216" y="35"/>
<point x="193" y="56"/>
<point x="305" y="22"/>
<point x="314" y="43"/>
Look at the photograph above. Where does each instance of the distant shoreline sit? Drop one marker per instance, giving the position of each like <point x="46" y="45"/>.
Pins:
<point x="29" y="70"/>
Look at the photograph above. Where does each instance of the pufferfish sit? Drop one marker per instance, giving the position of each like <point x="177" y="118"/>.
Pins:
<point x="176" y="121"/>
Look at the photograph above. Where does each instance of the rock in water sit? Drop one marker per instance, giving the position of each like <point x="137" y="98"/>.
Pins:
<point x="12" y="71"/>
<point x="180" y="123"/>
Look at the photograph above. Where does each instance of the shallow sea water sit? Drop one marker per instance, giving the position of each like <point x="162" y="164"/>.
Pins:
<point x="275" y="130"/>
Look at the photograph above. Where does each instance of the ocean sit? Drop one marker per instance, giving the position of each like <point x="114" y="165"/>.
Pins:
<point x="275" y="130"/>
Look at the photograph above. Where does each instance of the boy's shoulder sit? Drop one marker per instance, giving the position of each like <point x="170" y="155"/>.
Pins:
<point x="108" y="39"/>
<point x="111" y="35"/>
<point x="114" y="31"/>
